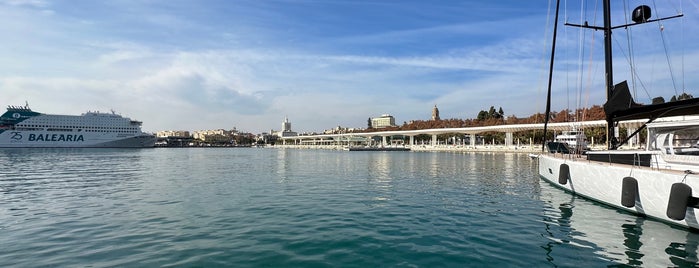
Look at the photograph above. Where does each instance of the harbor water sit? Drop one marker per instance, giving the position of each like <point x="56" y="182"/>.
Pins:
<point x="253" y="207"/>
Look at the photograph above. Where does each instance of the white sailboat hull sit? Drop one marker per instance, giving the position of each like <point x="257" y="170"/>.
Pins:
<point x="602" y="182"/>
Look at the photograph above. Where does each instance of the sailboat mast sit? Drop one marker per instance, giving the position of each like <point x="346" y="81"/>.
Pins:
<point x="553" y="54"/>
<point x="609" y="79"/>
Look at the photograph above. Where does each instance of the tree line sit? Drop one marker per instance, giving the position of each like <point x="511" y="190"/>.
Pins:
<point x="493" y="117"/>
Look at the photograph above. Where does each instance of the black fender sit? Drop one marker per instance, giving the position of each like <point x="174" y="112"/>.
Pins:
<point x="563" y="174"/>
<point x="629" y="192"/>
<point x="680" y="194"/>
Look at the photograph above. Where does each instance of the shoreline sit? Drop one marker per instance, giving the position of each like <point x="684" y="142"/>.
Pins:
<point x="438" y="148"/>
<point x="428" y="148"/>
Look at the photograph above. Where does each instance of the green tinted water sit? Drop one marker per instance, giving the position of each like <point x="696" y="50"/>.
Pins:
<point x="309" y="208"/>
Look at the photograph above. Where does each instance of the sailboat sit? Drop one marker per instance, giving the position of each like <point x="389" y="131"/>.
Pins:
<point x="660" y="181"/>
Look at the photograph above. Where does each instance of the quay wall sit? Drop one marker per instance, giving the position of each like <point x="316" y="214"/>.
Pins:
<point x="430" y="148"/>
<point x="444" y="148"/>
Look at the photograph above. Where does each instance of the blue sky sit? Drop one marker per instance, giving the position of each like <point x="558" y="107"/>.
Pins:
<point x="191" y="65"/>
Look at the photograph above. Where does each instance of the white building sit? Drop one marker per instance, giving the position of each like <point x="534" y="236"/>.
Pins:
<point x="286" y="129"/>
<point x="215" y="135"/>
<point x="172" y="133"/>
<point x="340" y="130"/>
<point x="385" y="120"/>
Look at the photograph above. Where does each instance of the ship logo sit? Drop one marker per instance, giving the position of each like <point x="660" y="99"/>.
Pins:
<point x="16" y="136"/>
<point x="16" y="115"/>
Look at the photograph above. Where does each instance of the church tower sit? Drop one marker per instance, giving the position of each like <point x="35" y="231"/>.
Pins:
<point x="435" y="113"/>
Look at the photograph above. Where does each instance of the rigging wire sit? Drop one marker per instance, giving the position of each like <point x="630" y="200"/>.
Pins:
<point x="682" y="20"/>
<point x="581" y="54"/>
<point x="567" y="66"/>
<point x="577" y="88"/>
<point x="637" y="77"/>
<point x="679" y="9"/>
<point x="590" y="64"/>
<point x="667" y="54"/>
<point x="630" y="47"/>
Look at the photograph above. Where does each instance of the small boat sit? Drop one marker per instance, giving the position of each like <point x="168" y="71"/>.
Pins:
<point x="575" y="140"/>
<point x="659" y="182"/>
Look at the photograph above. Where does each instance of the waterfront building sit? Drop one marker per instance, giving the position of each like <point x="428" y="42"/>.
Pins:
<point x="215" y="135"/>
<point x="435" y="113"/>
<point x="385" y="120"/>
<point x="341" y="130"/>
<point x="212" y="137"/>
<point x="286" y="125"/>
<point x="172" y="133"/>
<point x="266" y="138"/>
<point x="286" y="129"/>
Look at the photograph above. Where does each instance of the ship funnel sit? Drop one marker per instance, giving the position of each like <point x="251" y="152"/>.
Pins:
<point x="641" y="14"/>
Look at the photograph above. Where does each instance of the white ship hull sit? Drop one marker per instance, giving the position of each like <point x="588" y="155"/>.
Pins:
<point x="603" y="182"/>
<point x="53" y="139"/>
<point x="20" y="127"/>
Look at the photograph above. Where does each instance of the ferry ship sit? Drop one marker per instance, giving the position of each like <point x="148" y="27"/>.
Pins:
<point x="20" y="127"/>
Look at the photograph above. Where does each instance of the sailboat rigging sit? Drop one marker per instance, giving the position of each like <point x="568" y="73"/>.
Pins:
<point x="655" y="182"/>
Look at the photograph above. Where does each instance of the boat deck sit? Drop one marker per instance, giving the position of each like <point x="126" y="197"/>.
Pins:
<point x="579" y="157"/>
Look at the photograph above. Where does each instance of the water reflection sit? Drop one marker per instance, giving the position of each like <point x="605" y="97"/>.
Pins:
<point x="41" y="169"/>
<point x="32" y="180"/>
<point x="434" y="166"/>
<point x="379" y="167"/>
<point x="380" y="178"/>
<point x="573" y="223"/>
<point x="509" y="163"/>
<point x="632" y="234"/>
<point x="283" y="164"/>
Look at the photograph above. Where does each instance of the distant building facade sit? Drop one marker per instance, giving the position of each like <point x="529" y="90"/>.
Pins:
<point x="215" y="135"/>
<point x="341" y="130"/>
<point x="435" y="113"/>
<point x="174" y="138"/>
<point x="267" y="138"/>
<point x="385" y="120"/>
<point x="286" y="125"/>
<point x="172" y="133"/>
<point x="286" y="129"/>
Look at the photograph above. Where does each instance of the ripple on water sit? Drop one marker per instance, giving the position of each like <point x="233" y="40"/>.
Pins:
<point x="294" y="208"/>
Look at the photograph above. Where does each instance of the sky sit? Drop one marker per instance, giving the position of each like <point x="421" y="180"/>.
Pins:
<point x="209" y="64"/>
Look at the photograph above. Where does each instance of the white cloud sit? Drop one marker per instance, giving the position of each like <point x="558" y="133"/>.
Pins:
<point x="71" y="67"/>
<point x="29" y="3"/>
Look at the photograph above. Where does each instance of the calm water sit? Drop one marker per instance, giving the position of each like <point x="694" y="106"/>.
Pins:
<point x="297" y="208"/>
